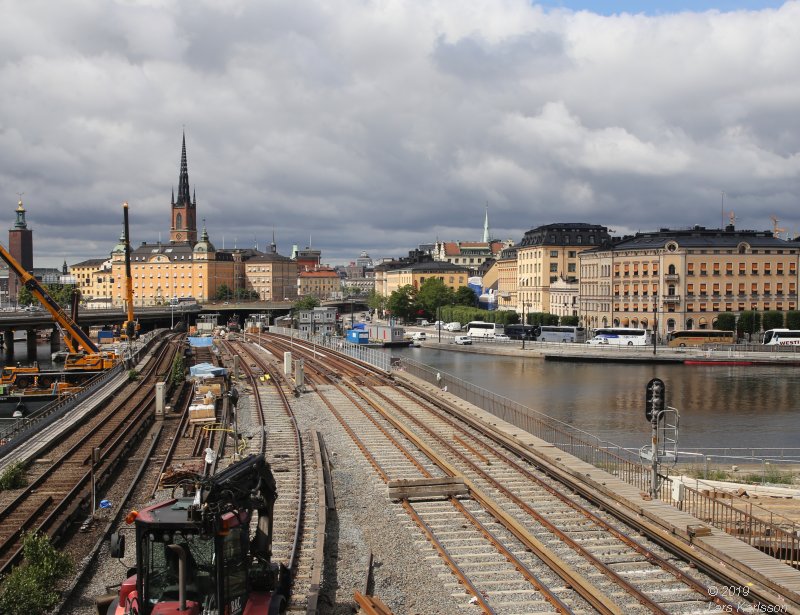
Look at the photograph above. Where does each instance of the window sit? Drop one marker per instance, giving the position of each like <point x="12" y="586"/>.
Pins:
<point x="742" y="269"/>
<point x="728" y="268"/>
<point x="690" y="269"/>
<point x="571" y="267"/>
<point x="754" y="269"/>
<point x="690" y="290"/>
<point x="553" y="253"/>
<point x="572" y="254"/>
<point x="703" y="269"/>
<point x="553" y="267"/>
<point x="716" y="268"/>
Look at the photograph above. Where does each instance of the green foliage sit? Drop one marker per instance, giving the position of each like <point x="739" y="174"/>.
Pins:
<point x="133" y="375"/>
<point x="749" y="323"/>
<point x="402" y="303"/>
<point x="246" y="294"/>
<point x="178" y="372"/>
<point x="726" y="321"/>
<point x="542" y="318"/>
<point x="309" y="302"/>
<point x="793" y="319"/>
<point x="464" y="314"/>
<point x="30" y="588"/>
<point x="570" y="321"/>
<point x="61" y="294"/>
<point x="13" y="477"/>
<point x="772" y="320"/>
<point x="375" y="301"/>
<point x="433" y="293"/>
<point x="223" y="293"/>
<point x="466" y="296"/>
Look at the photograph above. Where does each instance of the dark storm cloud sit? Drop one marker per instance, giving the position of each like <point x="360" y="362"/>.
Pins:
<point x="380" y="126"/>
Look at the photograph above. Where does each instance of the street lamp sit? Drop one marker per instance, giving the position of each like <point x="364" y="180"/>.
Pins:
<point x="439" y="321"/>
<point x="655" y="322"/>
<point x="524" y="324"/>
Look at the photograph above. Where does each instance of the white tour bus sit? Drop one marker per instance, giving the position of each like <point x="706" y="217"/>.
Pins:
<point x="621" y="336"/>
<point x="552" y="333"/>
<point x="478" y="328"/>
<point x="781" y="337"/>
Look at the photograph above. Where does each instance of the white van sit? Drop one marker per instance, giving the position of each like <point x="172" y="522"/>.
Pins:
<point x="453" y="326"/>
<point x="419" y="336"/>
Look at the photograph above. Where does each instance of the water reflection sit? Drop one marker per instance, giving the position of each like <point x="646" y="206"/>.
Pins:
<point x="731" y="406"/>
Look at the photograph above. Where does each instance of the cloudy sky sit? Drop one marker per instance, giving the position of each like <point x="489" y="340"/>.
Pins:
<point x="378" y="125"/>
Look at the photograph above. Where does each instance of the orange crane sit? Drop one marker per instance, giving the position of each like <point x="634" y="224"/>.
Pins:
<point x="130" y="328"/>
<point x="84" y="355"/>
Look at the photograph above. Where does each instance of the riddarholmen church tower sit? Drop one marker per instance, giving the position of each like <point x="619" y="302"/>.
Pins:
<point x="184" y="210"/>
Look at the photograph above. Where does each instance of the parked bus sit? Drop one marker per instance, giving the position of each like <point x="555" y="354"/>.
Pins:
<point x="700" y="337"/>
<point x="478" y="328"/>
<point x="781" y="337"/>
<point x="576" y="335"/>
<point x="182" y="301"/>
<point x="522" y="332"/>
<point x="621" y="336"/>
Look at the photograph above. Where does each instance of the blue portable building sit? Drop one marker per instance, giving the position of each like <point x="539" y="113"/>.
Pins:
<point x="358" y="336"/>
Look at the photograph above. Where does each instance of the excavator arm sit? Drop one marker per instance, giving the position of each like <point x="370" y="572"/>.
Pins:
<point x="77" y="339"/>
<point x="130" y="327"/>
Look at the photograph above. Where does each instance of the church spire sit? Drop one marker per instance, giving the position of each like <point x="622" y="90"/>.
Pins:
<point x="184" y="208"/>
<point x="183" y="178"/>
<point x="486" y="236"/>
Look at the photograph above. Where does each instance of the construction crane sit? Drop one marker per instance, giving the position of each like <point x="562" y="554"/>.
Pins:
<point x="84" y="355"/>
<point x="130" y="328"/>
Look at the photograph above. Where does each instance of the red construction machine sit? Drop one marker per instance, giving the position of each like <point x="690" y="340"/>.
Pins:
<point x="195" y="554"/>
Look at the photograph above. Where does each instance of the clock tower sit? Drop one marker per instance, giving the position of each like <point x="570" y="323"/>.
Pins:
<point x="184" y="209"/>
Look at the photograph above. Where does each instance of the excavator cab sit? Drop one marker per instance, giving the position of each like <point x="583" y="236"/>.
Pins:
<point x="199" y="559"/>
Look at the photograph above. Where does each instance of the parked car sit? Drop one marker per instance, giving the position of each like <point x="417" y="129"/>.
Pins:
<point x="439" y="324"/>
<point x="419" y="336"/>
<point x="463" y="340"/>
<point x="501" y="337"/>
<point x="453" y="326"/>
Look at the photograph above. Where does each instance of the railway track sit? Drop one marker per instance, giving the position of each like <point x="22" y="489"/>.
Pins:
<point x="266" y="424"/>
<point x="585" y="560"/>
<point x="59" y="483"/>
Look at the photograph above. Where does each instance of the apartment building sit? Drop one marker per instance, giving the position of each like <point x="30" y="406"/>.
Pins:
<point x="549" y="253"/>
<point x="685" y="278"/>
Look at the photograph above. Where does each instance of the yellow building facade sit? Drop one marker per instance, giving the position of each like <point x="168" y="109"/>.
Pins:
<point x="549" y="253"/>
<point x="685" y="279"/>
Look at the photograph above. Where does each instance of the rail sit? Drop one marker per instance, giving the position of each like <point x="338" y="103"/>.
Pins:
<point x="754" y="525"/>
<point x="378" y="358"/>
<point x="18" y="432"/>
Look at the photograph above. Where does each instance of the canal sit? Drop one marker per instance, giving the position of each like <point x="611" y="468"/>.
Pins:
<point x="727" y="406"/>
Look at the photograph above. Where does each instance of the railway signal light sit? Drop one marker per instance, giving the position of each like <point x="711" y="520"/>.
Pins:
<point x="655" y="398"/>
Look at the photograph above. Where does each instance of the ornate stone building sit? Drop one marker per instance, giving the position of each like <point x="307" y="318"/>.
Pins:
<point x="686" y="278"/>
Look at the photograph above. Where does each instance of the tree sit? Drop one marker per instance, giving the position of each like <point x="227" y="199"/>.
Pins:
<point x="223" y="293"/>
<point x="793" y="320"/>
<point x="749" y="323"/>
<point x="726" y="321"/>
<point x="402" y="302"/>
<point x="466" y="296"/>
<point x="570" y="321"/>
<point x="433" y="293"/>
<point x="61" y="294"/>
<point x="375" y="301"/>
<point x="309" y="302"/>
<point x="772" y="320"/>
<point x="30" y="589"/>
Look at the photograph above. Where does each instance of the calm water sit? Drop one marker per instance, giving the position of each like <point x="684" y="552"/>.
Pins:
<point x="718" y="406"/>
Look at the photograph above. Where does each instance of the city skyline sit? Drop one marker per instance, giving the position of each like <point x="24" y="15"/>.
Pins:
<point x="379" y="128"/>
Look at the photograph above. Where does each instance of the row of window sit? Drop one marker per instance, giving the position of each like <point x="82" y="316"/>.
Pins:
<point x="715" y="307"/>
<point x="702" y="269"/>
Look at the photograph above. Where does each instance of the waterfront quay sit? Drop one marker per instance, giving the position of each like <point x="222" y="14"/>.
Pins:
<point x="740" y="354"/>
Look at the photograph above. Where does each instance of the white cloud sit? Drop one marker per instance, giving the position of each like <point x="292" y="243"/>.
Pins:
<point x="381" y="125"/>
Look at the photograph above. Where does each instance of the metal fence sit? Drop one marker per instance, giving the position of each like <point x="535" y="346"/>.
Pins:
<point x="377" y="357"/>
<point x="754" y="525"/>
